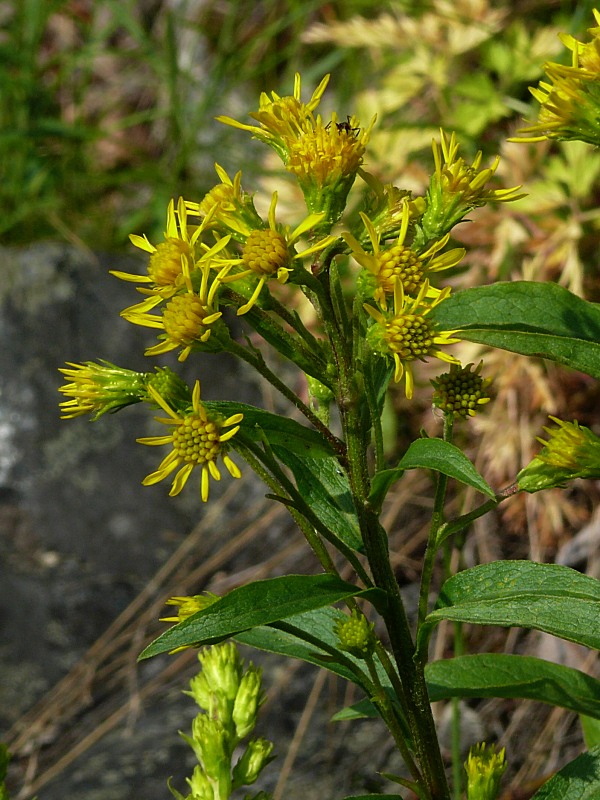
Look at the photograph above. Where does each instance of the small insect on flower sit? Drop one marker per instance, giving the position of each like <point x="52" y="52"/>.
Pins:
<point x="345" y="126"/>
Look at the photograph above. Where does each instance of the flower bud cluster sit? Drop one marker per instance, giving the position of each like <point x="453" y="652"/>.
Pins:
<point x="570" y="99"/>
<point x="356" y="635"/>
<point x="219" y="253"/>
<point x="459" y="392"/>
<point x="229" y="697"/>
<point x="572" y="451"/>
<point x="484" y="768"/>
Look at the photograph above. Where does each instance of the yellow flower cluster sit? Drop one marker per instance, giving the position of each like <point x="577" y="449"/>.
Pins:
<point x="324" y="157"/>
<point x="570" y="99"/>
<point x="219" y="252"/>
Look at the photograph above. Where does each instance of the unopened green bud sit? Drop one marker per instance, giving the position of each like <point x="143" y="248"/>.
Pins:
<point x="247" y="702"/>
<point x="202" y="788"/>
<point x="214" y="703"/>
<point x="222" y="669"/>
<point x="355" y="635"/>
<point x="96" y="388"/>
<point x="256" y="756"/>
<point x="572" y="451"/>
<point x="459" y="392"/>
<point x="484" y="768"/>
<point x="170" y="387"/>
<point x="212" y="746"/>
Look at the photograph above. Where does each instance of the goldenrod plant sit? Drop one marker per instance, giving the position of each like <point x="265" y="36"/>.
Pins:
<point x="377" y="302"/>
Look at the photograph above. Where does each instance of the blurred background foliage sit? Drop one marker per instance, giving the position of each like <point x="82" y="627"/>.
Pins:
<point x="107" y="106"/>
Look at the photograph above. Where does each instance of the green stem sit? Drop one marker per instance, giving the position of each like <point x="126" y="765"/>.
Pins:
<point x="375" y="417"/>
<point x="457" y="766"/>
<point x="437" y="520"/>
<point x="412" y="673"/>
<point x="276" y="479"/>
<point x="255" y="359"/>
<point x="312" y="537"/>
<point x="460" y="523"/>
<point x="384" y="704"/>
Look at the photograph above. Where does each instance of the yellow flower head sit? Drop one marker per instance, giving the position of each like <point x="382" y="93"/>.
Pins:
<point x="186" y="319"/>
<point x="282" y="119"/>
<point x="571" y="446"/>
<point x="197" y="440"/>
<point x="227" y="207"/>
<point x="399" y="262"/>
<point x="572" y="451"/>
<point x="457" y="188"/>
<point x="327" y="153"/>
<point x="189" y="605"/>
<point x="325" y="161"/>
<point x="406" y="334"/>
<point x="168" y="259"/>
<point x="96" y="388"/>
<point x="324" y="157"/>
<point x="269" y="252"/>
<point x="570" y="103"/>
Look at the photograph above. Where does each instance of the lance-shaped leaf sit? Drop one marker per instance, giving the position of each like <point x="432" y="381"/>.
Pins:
<point x="547" y="597"/>
<point x="258" y="603"/>
<point x="504" y="675"/>
<point x="579" y="780"/>
<point x="534" y="319"/>
<point x="434" y="454"/>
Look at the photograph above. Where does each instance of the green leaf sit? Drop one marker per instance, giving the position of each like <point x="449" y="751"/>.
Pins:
<point x="534" y="319"/>
<point x="258" y="603"/>
<point x="435" y="454"/>
<point x="380" y="485"/>
<point x="281" y="431"/>
<point x="579" y="780"/>
<point x="503" y="675"/>
<point x="363" y="709"/>
<point x="318" y="624"/>
<point x="591" y="730"/>
<point x="324" y="487"/>
<point x="547" y="597"/>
